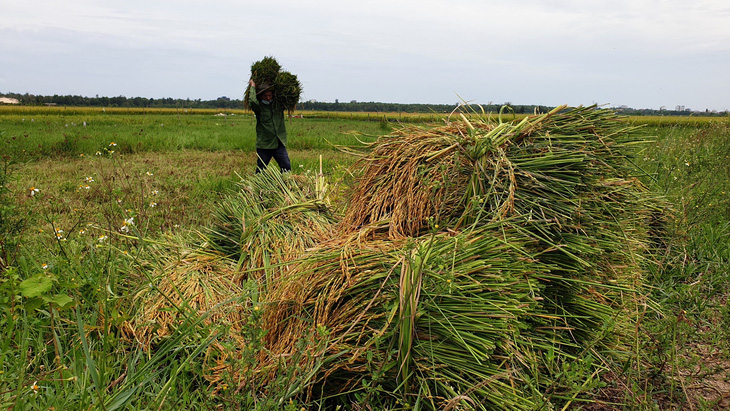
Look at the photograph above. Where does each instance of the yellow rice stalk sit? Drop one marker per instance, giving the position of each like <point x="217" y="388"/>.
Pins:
<point x="321" y="284"/>
<point x="195" y="285"/>
<point x="409" y="177"/>
<point x="269" y="222"/>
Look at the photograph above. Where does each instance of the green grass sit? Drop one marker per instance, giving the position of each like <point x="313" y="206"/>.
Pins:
<point x="688" y="340"/>
<point x="68" y="272"/>
<point x="36" y="136"/>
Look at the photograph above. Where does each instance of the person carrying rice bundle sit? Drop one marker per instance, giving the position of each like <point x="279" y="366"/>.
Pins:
<point x="270" y="127"/>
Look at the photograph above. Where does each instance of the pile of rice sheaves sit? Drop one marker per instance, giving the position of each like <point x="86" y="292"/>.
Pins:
<point x="479" y="264"/>
<point x="475" y="261"/>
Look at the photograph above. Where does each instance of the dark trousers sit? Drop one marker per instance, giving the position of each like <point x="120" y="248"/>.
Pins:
<point x="279" y="154"/>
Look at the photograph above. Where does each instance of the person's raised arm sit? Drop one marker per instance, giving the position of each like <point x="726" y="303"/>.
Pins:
<point x="253" y="101"/>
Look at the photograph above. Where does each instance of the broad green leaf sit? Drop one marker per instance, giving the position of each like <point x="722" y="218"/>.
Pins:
<point x="36" y="285"/>
<point x="61" y="300"/>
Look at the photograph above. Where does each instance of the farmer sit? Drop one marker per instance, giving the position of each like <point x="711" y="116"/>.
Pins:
<point x="270" y="127"/>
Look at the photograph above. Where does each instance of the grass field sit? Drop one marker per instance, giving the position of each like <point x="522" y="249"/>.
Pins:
<point x="88" y="198"/>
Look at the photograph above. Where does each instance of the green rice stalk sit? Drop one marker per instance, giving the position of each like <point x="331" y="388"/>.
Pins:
<point x="461" y="305"/>
<point x="268" y="222"/>
<point x="287" y="90"/>
<point x="410" y="290"/>
<point x="285" y="85"/>
<point x="263" y="71"/>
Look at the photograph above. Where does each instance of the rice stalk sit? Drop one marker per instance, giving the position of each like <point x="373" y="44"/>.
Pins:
<point x="269" y="221"/>
<point x="285" y="85"/>
<point x="263" y="72"/>
<point x="467" y="313"/>
<point x="194" y="285"/>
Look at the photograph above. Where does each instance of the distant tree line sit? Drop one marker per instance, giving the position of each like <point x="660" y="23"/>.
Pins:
<point x="664" y="112"/>
<point x="352" y="106"/>
<point x="121" y="101"/>
<point x="372" y="106"/>
<point x="228" y="103"/>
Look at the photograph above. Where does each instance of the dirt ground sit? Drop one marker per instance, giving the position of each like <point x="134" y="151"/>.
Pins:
<point x="707" y="383"/>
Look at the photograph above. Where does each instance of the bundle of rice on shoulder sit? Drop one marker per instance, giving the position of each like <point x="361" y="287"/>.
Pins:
<point x="267" y="75"/>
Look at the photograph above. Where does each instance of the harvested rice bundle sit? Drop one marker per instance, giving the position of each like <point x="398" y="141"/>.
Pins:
<point x="269" y="222"/>
<point x="409" y="178"/>
<point x="265" y="70"/>
<point x="448" y="318"/>
<point x="286" y="87"/>
<point x="287" y="90"/>
<point x="293" y="338"/>
<point x="556" y="191"/>
<point x="185" y="288"/>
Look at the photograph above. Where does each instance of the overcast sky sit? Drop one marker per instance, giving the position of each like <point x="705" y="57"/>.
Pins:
<point x="639" y="53"/>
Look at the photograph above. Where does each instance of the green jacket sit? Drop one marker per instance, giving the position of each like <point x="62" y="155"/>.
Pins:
<point x="270" y="124"/>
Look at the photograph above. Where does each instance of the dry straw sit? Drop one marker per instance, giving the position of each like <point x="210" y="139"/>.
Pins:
<point x="183" y="289"/>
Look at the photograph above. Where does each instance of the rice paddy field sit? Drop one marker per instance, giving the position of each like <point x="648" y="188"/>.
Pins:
<point x="573" y="259"/>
